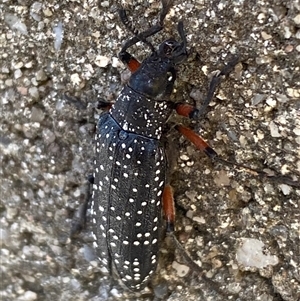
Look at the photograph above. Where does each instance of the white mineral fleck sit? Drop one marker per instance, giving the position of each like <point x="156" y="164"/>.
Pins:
<point x="250" y="254"/>
<point x="75" y="79"/>
<point x="274" y="130"/>
<point x="58" y="35"/>
<point x="286" y="189"/>
<point x="102" y="61"/>
<point x="181" y="269"/>
<point x="297" y="19"/>
<point x="15" y="23"/>
<point x="297" y="131"/>
<point x="29" y="296"/>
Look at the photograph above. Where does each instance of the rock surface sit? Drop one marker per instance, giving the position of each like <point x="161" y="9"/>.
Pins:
<point x="46" y="146"/>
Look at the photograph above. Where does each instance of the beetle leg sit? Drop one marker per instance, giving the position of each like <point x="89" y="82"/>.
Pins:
<point x="215" y="81"/>
<point x="79" y="219"/>
<point x="76" y="101"/>
<point x="168" y="208"/>
<point x="190" y="111"/>
<point x="103" y="104"/>
<point x="204" y="147"/>
<point x="197" y="141"/>
<point x="186" y="110"/>
<point x="127" y="59"/>
<point x="169" y="212"/>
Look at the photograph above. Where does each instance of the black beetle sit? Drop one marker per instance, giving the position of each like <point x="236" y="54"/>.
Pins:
<point x="129" y="180"/>
<point x="130" y="164"/>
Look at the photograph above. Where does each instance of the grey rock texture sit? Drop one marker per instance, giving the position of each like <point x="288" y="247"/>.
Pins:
<point x="46" y="146"/>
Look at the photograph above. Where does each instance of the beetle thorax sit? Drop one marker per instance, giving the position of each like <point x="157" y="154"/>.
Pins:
<point x="140" y="114"/>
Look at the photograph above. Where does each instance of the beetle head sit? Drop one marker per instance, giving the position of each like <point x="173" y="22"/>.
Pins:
<point x="175" y="51"/>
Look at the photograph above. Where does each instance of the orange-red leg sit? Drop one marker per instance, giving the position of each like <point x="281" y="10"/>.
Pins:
<point x="169" y="208"/>
<point x="131" y="63"/>
<point x="203" y="146"/>
<point x="197" y="141"/>
<point x="186" y="110"/>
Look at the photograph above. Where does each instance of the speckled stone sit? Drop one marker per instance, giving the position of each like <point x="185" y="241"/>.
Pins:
<point x="46" y="145"/>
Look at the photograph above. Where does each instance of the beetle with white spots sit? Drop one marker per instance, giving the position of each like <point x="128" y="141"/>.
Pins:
<point x="130" y="164"/>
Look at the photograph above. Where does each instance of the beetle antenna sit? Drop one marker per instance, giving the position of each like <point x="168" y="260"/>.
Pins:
<point x="166" y="6"/>
<point x="129" y="25"/>
<point x="182" y="34"/>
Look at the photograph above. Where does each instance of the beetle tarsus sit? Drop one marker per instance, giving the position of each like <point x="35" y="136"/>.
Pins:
<point x="79" y="219"/>
<point x="214" y="83"/>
